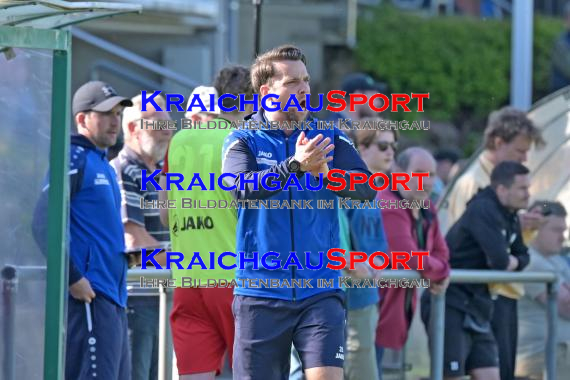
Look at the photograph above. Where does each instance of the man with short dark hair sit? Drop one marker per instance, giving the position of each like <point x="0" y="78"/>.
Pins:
<point x="270" y="320"/>
<point x="487" y="236"/>
<point x="97" y="333"/>
<point x="508" y="136"/>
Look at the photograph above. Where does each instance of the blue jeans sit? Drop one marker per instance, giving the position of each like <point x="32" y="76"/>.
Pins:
<point x="143" y="323"/>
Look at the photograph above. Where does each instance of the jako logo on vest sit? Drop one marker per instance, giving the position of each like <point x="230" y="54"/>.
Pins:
<point x="264" y="154"/>
<point x="271" y="260"/>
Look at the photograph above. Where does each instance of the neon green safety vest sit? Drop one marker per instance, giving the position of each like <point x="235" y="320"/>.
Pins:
<point x="200" y="230"/>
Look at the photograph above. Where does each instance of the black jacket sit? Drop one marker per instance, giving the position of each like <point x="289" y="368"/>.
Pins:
<point x="483" y="238"/>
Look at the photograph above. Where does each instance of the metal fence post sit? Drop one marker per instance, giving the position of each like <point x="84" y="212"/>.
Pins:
<point x="9" y="289"/>
<point x="437" y="331"/>
<point x="552" y="316"/>
<point x="57" y="217"/>
<point x="257" y="24"/>
<point x="168" y="339"/>
<point x="162" y="364"/>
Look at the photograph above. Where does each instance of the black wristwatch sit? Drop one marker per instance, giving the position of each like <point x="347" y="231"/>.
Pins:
<point x="294" y="166"/>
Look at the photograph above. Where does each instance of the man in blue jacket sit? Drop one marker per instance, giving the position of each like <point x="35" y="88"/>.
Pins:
<point x="268" y="320"/>
<point x="97" y="335"/>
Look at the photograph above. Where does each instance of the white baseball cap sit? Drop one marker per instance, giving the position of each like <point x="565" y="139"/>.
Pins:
<point x="204" y="93"/>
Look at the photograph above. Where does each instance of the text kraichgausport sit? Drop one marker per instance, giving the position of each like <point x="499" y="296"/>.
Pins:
<point x="294" y="102"/>
<point x="271" y="181"/>
<point x="334" y="258"/>
<point x="275" y="204"/>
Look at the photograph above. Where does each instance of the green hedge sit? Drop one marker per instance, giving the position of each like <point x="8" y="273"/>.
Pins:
<point x="463" y="62"/>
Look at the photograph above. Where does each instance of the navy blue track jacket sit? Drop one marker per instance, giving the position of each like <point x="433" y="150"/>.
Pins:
<point x="97" y="241"/>
<point x="262" y="230"/>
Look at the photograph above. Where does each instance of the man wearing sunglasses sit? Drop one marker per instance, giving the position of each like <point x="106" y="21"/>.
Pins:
<point x="377" y="149"/>
<point x="384" y="145"/>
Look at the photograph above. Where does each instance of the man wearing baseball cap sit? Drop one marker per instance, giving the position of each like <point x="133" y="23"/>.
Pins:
<point x="197" y="115"/>
<point x="97" y="335"/>
<point x="205" y="94"/>
<point x="359" y="83"/>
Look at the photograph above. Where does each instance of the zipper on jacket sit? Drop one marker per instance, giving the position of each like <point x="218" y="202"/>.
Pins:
<point x="88" y="261"/>
<point x="292" y="225"/>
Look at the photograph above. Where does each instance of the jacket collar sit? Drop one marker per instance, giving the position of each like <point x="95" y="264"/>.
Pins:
<point x="260" y="117"/>
<point x="486" y="165"/>
<point x="489" y="193"/>
<point x="81" y="140"/>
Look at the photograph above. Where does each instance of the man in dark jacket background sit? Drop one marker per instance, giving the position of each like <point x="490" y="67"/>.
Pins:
<point x="487" y="236"/>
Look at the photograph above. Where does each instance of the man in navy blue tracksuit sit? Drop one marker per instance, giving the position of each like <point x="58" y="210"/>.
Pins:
<point x="97" y="335"/>
<point x="269" y="320"/>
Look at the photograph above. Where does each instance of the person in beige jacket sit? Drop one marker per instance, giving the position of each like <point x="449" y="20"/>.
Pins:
<point x="509" y="135"/>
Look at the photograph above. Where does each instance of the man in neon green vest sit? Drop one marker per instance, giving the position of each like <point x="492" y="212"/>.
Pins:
<point x="202" y="322"/>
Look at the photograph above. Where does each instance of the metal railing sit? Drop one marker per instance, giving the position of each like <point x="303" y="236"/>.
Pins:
<point x="12" y="274"/>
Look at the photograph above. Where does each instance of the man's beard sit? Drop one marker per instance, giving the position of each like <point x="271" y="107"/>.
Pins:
<point x="154" y="150"/>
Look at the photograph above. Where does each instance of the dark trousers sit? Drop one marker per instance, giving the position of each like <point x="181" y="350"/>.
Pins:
<point x="505" y="329"/>
<point x="266" y="328"/>
<point x="97" y="341"/>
